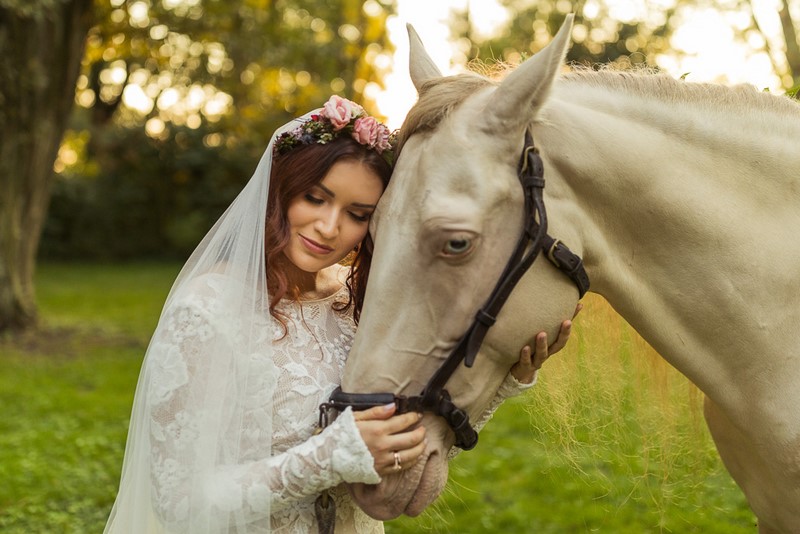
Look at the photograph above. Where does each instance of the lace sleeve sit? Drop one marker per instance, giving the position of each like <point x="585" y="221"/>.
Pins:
<point x="336" y="455"/>
<point x="511" y="387"/>
<point x="180" y="377"/>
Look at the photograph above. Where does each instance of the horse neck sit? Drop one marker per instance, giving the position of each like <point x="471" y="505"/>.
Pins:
<point x="680" y="210"/>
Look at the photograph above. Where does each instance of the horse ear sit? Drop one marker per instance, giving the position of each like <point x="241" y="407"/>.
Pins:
<point x="420" y="64"/>
<point x="528" y="86"/>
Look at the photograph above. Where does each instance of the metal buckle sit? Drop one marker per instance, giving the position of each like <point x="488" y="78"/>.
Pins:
<point x="551" y="251"/>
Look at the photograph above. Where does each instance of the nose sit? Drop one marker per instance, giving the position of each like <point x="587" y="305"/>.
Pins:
<point x="327" y="223"/>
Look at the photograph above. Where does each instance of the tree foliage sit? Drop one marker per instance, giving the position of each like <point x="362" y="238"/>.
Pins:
<point x="177" y="100"/>
<point x="610" y="32"/>
<point x="598" y="35"/>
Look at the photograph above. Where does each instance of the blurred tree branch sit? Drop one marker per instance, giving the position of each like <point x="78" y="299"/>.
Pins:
<point x="599" y="37"/>
<point x="792" y="45"/>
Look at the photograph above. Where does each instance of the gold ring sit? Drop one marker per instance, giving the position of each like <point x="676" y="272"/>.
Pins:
<point x="397" y="466"/>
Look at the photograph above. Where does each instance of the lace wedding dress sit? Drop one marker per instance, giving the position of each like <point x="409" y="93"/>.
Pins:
<point x="308" y="363"/>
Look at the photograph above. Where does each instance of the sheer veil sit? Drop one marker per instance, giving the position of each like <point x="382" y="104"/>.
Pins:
<point x="202" y="412"/>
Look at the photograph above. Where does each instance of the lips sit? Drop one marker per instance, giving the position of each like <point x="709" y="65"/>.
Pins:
<point x="314" y="247"/>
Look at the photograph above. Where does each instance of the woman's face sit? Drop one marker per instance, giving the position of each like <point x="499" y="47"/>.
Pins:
<point x="329" y="220"/>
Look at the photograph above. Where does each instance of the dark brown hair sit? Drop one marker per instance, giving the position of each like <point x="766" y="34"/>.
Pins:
<point x="293" y="174"/>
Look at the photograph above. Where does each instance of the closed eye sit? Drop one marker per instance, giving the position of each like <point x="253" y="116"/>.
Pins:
<point x="359" y="217"/>
<point x="314" y="200"/>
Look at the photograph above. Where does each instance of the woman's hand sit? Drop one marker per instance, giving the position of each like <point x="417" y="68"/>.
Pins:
<point x="525" y="369"/>
<point x="392" y="443"/>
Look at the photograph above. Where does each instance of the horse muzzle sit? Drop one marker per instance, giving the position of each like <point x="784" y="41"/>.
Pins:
<point x="412" y="490"/>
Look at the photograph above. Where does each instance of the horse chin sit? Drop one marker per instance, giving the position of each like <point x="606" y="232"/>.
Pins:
<point x="408" y="492"/>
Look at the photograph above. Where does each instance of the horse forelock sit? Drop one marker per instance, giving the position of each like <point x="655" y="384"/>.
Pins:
<point x="437" y="100"/>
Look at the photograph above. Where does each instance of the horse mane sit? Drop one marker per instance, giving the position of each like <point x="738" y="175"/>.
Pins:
<point x="650" y="83"/>
<point x="438" y="97"/>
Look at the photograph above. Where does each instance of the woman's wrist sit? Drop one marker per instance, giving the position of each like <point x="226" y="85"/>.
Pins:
<point x="351" y="459"/>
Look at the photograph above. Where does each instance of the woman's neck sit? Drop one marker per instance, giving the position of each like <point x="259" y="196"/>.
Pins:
<point x="301" y="281"/>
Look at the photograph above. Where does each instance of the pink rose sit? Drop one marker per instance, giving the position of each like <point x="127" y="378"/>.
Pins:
<point x="382" y="142"/>
<point x="366" y="131"/>
<point x="339" y="111"/>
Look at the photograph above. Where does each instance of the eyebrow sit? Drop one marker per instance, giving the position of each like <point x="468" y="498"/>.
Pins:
<point x="355" y="204"/>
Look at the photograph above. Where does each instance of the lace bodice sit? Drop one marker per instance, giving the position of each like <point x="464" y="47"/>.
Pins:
<point x="306" y="366"/>
<point x="310" y="360"/>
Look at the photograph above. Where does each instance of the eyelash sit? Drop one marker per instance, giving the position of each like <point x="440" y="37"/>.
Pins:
<point x="317" y="201"/>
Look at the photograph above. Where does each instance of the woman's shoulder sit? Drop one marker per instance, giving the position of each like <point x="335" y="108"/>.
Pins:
<point x="339" y="274"/>
<point x="331" y="281"/>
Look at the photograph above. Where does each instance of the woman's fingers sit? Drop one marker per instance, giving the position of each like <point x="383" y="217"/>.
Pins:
<point x="525" y="356"/>
<point x="542" y="350"/>
<point x="405" y="440"/>
<point x="561" y="341"/>
<point x="385" y="436"/>
<point x="524" y="370"/>
<point x="376" y="412"/>
<point x="387" y="413"/>
<point x="393" y="423"/>
<point x="401" y="458"/>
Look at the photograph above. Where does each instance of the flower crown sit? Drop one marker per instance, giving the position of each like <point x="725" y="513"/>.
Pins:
<point x="339" y="117"/>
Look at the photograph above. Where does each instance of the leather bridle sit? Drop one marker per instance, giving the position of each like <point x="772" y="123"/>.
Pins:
<point x="534" y="239"/>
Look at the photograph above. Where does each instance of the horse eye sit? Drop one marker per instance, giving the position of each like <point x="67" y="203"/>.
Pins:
<point x="456" y="247"/>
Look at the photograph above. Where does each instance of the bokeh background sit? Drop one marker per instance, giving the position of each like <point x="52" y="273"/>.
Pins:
<point x="127" y="127"/>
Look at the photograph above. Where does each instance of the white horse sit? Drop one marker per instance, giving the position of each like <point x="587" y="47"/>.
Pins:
<point x="682" y="199"/>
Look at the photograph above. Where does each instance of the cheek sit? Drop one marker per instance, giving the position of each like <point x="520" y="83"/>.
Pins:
<point x="357" y="233"/>
<point x="299" y="214"/>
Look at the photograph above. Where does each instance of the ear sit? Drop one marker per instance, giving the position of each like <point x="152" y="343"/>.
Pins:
<point x="527" y="87"/>
<point x="420" y="64"/>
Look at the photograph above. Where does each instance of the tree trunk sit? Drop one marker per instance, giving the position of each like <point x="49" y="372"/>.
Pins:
<point x="41" y="47"/>
<point x="792" y="45"/>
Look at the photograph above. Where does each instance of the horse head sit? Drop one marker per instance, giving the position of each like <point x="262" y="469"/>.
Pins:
<point x="444" y="231"/>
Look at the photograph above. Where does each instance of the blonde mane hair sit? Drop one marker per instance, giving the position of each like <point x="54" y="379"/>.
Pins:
<point x="438" y="97"/>
<point x="661" y="86"/>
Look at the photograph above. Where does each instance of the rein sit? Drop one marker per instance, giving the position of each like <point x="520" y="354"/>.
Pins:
<point x="534" y="239"/>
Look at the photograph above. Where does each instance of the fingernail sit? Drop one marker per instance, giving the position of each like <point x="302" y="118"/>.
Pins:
<point x="388" y="407"/>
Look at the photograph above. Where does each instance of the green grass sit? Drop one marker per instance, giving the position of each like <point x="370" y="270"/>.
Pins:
<point x="67" y="391"/>
<point x="610" y="440"/>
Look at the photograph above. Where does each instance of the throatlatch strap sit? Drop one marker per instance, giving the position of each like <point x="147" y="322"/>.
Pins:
<point x="567" y="262"/>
